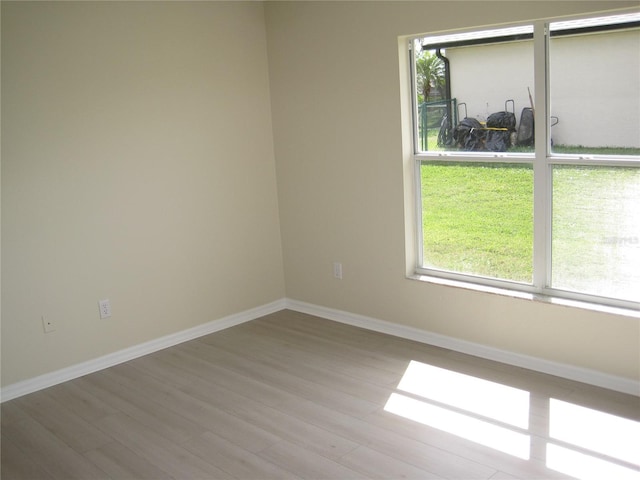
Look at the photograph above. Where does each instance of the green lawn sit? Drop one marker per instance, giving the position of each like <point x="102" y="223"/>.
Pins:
<point x="478" y="219"/>
<point x="596" y="230"/>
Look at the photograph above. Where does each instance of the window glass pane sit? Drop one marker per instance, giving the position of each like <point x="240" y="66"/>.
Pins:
<point x="595" y="88"/>
<point x="477" y="219"/>
<point x="596" y="231"/>
<point x="473" y="89"/>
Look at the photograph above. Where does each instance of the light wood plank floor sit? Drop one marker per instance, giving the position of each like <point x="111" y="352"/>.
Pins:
<point x="294" y="396"/>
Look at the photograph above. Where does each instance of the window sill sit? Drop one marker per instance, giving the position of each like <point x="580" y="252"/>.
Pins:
<point x="536" y="297"/>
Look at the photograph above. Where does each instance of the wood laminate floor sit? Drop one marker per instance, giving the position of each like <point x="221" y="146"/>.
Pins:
<point x="294" y="396"/>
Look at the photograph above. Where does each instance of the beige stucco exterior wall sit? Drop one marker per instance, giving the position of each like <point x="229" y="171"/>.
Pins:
<point x="594" y="83"/>
<point x="609" y="114"/>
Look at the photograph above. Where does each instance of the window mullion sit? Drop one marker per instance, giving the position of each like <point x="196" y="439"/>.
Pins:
<point x="541" y="173"/>
<point x="414" y="96"/>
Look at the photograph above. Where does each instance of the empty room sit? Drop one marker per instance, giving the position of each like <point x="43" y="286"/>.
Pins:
<point x="320" y="239"/>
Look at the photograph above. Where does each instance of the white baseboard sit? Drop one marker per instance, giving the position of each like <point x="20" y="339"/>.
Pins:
<point x="50" y="379"/>
<point x="592" y="377"/>
<point x="570" y="372"/>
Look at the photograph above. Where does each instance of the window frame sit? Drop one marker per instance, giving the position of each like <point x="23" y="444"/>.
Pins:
<point x="542" y="160"/>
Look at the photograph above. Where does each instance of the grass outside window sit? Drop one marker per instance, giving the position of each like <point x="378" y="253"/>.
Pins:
<point x="477" y="218"/>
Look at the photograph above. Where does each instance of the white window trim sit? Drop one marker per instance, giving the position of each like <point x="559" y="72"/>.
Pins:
<point x="543" y="160"/>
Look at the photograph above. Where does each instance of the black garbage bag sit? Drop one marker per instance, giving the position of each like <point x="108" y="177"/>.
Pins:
<point x="469" y="135"/>
<point x="502" y="120"/>
<point x="500" y="140"/>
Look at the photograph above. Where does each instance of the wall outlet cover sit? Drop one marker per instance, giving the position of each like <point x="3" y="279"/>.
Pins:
<point x="105" y="308"/>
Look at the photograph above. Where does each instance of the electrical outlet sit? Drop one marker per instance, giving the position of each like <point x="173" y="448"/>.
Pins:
<point x="48" y="325"/>
<point x="105" y="308"/>
<point x="337" y="270"/>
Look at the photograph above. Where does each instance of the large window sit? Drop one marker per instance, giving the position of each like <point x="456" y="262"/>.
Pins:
<point x="527" y="154"/>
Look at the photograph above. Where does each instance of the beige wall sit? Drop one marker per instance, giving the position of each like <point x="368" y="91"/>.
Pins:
<point x="336" y="103"/>
<point x="137" y="165"/>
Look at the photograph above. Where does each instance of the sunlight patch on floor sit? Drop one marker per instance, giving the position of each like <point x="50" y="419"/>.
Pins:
<point x="479" y="410"/>
<point x="483" y="397"/>
<point x="586" y="467"/>
<point x="576" y="440"/>
<point x="615" y="441"/>
<point x="465" y="426"/>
